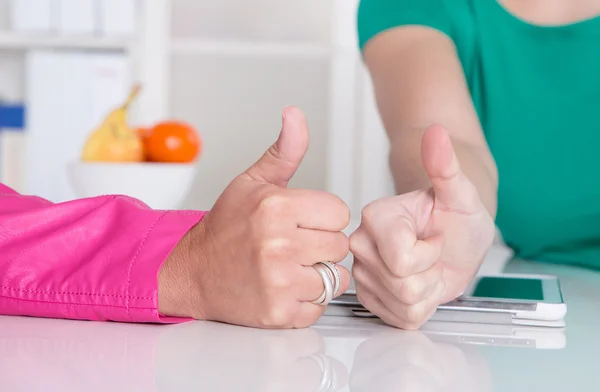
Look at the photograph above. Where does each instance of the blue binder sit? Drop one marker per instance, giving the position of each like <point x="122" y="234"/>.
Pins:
<point x="12" y="116"/>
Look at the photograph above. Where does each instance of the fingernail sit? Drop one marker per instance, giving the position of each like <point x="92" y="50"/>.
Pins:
<point x="285" y="108"/>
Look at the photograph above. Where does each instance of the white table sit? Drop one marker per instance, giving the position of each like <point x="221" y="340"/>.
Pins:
<point x="343" y="354"/>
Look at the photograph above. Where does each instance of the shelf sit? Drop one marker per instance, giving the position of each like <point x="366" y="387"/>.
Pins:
<point x="256" y="49"/>
<point x="26" y="42"/>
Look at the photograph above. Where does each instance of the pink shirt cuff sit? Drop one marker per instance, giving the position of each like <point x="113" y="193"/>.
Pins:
<point x="142" y="277"/>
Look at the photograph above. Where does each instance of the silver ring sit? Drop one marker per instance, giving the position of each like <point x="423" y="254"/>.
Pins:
<point x="327" y="294"/>
<point x="335" y="276"/>
<point x="328" y="376"/>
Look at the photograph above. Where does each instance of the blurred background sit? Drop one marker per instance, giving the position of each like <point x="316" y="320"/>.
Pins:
<point x="226" y="67"/>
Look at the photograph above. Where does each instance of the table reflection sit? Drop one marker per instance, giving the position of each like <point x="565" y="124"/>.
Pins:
<point x="338" y="354"/>
<point x="42" y="355"/>
<point x="48" y="355"/>
<point x="413" y="361"/>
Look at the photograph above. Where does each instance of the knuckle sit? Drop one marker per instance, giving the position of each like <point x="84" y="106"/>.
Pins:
<point x="400" y="266"/>
<point x="356" y="241"/>
<point x="355" y="235"/>
<point x="274" y="249"/>
<point x="274" y="280"/>
<point x="363" y="296"/>
<point x="410" y="326"/>
<point x="368" y="212"/>
<point x="369" y="301"/>
<point x="360" y="247"/>
<point x="274" y="204"/>
<point x="383" y="205"/>
<point x="410" y="292"/>
<point x="358" y="272"/>
<point x="415" y="315"/>
<point x="275" y="316"/>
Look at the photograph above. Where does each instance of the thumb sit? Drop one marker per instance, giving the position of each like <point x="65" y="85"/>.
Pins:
<point x="279" y="164"/>
<point x="450" y="185"/>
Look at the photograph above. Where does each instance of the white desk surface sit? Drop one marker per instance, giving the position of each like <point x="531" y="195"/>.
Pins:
<point x="338" y="354"/>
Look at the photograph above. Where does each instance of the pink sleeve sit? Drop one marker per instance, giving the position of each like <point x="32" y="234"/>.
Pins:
<point x="87" y="259"/>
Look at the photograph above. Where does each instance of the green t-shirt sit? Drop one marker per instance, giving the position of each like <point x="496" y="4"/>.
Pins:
<point x="536" y="90"/>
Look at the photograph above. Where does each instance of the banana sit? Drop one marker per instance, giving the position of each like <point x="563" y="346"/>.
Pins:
<point x="114" y="140"/>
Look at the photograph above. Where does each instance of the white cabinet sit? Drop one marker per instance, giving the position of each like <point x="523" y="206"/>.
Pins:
<point x="23" y="20"/>
<point x="117" y="17"/>
<point x="75" y="17"/>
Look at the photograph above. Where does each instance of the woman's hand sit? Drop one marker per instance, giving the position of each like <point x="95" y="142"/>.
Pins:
<point x="421" y="249"/>
<point x="249" y="261"/>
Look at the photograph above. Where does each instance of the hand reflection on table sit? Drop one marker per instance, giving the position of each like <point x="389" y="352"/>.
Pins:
<point x="210" y="356"/>
<point x="41" y="355"/>
<point x="413" y="361"/>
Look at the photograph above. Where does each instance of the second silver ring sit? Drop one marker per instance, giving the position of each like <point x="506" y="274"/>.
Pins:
<point x="334" y="274"/>
<point x="328" y="284"/>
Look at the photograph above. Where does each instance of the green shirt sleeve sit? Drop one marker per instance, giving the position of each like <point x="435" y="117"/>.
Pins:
<point x="377" y="16"/>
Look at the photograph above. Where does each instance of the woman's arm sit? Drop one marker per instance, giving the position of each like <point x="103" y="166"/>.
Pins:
<point x="89" y="259"/>
<point x="418" y="82"/>
<point x="247" y="262"/>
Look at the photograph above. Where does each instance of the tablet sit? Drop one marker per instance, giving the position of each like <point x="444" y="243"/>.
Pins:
<point x="515" y="299"/>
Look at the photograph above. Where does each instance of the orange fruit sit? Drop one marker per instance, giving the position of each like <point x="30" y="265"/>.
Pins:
<point x="142" y="132"/>
<point x="171" y="141"/>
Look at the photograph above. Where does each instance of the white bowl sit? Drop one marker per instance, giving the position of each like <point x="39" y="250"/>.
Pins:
<point x="162" y="186"/>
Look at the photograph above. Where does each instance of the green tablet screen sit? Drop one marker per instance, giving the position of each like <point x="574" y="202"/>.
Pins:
<point x="512" y="288"/>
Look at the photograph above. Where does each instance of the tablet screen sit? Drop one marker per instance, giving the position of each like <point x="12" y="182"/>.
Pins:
<point x="514" y="288"/>
<point x="509" y="288"/>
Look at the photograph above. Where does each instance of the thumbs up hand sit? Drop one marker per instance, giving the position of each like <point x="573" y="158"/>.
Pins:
<point x="418" y="250"/>
<point x="249" y="261"/>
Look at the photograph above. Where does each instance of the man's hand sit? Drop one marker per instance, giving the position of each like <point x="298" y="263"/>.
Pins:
<point x="415" y="251"/>
<point x="249" y="261"/>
